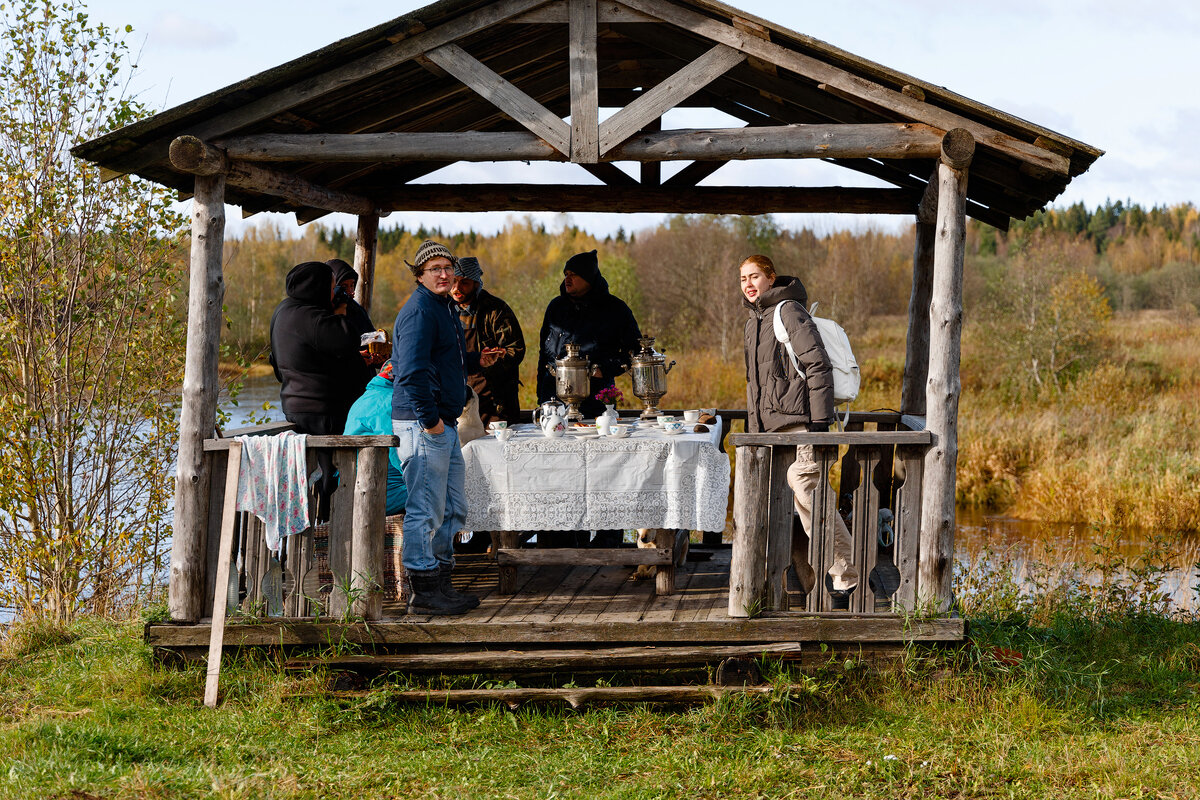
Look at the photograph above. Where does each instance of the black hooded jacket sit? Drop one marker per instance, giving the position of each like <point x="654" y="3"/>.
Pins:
<point x="603" y="327"/>
<point x="314" y="351"/>
<point x="360" y="320"/>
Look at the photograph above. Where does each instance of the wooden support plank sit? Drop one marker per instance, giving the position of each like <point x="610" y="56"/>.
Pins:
<point x="369" y="514"/>
<point x="316" y="442"/>
<point x="852" y="438"/>
<point x="364" y="259"/>
<point x="664" y="574"/>
<point x="942" y="393"/>
<point x="198" y="416"/>
<point x="626" y="556"/>
<point x="820" y="539"/>
<point x="216" y="503"/>
<point x="849" y="84"/>
<point x="502" y="94"/>
<point x="216" y="639"/>
<point x="751" y="517"/>
<point x="341" y="524"/>
<point x="508" y="540"/>
<point x="609" y="658"/>
<point x="779" y="529"/>
<point x="693" y="173"/>
<point x="831" y="628"/>
<point x="700" y="200"/>
<point x="585" y="86"/>
<point x="666" y="95"/>
<point x="899" y="140"/>
<point x="908" y="526"/>
<point x="864" y="523"/>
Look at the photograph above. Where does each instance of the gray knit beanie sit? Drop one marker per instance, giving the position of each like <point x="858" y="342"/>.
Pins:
<point x="429" y="250"/>
<point x="468" y="267"/>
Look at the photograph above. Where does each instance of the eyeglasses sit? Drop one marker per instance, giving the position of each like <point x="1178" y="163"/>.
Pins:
<point x="436" y="270"/>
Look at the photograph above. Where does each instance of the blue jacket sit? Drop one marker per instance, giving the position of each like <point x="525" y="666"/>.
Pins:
<point x="429" y="358"/>
<point x="371" y="415"/>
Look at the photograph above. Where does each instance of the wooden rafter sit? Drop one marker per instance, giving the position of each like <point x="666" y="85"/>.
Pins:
<point x="585" y="85"/>
<point x="502" y="94"/>
<point x="848" y="83"/>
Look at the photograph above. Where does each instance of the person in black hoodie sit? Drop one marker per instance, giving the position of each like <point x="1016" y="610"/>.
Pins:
<point x="346" y="279"/>
<point x="588" y="315"/>
<point x="315" y="353"/>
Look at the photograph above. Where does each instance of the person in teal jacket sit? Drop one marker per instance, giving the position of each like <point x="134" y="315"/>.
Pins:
<point x="371" y="415"/>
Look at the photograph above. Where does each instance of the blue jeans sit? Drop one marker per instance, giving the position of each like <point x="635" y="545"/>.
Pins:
<point x="437" y="501"/>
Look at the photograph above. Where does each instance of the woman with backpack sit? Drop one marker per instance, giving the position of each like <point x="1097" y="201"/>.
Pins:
<point x="779" y="399"/>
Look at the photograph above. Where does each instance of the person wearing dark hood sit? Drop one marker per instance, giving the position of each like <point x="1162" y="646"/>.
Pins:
<point x="586" y="313"/>
<point x="778" y="400"/>
<point x="346" y="280"/>
<point x="490" y="327"/>
<point x="314" y="352"/>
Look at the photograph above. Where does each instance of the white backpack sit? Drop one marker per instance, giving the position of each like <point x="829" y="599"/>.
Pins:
<point x="837" y="346"/>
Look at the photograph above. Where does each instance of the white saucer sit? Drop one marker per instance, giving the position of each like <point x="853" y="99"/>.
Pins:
<point x="672" y="433"/>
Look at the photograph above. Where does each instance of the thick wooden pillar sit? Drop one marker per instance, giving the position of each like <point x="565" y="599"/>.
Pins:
<point x="916" y="353"/>
<point x="206" y="292"/>
<point x="943" y="386"/>
<point x="364" y="259"/>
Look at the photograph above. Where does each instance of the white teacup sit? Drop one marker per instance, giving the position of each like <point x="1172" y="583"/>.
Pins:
<point x="663" y="419"/>
<point x="619" y="431"/>
<point x="504" y="434"/>
<point x="497" y="425"/>
<point x="691" y="415"/>
<point x="673" y="427"/>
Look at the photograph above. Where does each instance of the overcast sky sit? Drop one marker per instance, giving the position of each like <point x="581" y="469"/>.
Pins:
<point x="1124" y="77"/>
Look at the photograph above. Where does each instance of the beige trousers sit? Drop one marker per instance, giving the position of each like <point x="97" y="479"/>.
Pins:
<point x="803" y="477"/>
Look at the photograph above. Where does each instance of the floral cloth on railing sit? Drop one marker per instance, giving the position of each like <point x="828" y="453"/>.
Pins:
<point x="273" y="484"/>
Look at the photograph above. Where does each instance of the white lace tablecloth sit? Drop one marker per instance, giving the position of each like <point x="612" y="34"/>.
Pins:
<point x="576" y="483"/>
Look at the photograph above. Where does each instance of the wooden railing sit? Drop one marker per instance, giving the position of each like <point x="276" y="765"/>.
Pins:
<point x="357" y="511"/>
<point x="881" y="468"/>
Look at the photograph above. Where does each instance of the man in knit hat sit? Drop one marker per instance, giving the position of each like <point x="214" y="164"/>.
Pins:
<point x="588" y="315"/>
<point x="429" y="365"/>
<point x="491" y="329"/>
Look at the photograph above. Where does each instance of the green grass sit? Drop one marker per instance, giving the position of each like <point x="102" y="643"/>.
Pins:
<point x="1090" y="709"/>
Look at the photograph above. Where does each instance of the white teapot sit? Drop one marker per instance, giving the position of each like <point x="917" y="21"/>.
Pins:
<point x="551" y="417"/>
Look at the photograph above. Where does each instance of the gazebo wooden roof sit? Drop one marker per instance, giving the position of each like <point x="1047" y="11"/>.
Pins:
<point x="348" y="127"/>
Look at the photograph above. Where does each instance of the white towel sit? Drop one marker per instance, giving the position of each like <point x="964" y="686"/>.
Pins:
<point x="273" y="484"/>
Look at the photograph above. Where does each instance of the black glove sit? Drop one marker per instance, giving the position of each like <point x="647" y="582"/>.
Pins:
<point x="818" y="427"/>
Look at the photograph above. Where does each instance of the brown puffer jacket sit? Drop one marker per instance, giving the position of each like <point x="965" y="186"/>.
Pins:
<point x="490" y="322"/>
<point x="775" y="395"/>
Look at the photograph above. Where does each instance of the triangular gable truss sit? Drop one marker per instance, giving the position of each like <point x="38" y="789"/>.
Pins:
<point x="494" y="82"/>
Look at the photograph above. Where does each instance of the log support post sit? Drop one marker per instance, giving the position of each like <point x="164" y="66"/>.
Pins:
<point x="751" y="512"/>
<point x="943" y="386"/>
<point x="366" y="550"/>
<point x="364" y="259"/>
<point x="916" y="353"/>
<point x="206" y="292"/>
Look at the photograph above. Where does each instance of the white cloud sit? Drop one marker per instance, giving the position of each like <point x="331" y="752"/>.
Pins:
<point x="173" y="30"/>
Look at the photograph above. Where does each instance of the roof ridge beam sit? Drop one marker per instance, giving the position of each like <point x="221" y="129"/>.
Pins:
<point x="888" y="140"/>
<point x="492" y="87"/>
<point x="848" y="83"/>
<point x="666" y="95"/>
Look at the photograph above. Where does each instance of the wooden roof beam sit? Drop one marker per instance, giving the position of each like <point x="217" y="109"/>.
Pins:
<point x="557" y="14"/>
<point x="189" y="154"/>
<point x="887" y="140"/>
<point x="502" y="94"/>
<point x="849" y="83"/>
<point x="698" y="200"/>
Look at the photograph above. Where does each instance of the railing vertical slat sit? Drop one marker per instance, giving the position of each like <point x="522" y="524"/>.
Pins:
<point x="908" y="525"/>
<point x="820" y="539"/>
<point x="863" y="524"/>
<point x="779" y="528"/>
<point x="217" y="463"/>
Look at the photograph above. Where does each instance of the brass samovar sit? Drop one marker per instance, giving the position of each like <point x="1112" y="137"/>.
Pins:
<point x="572" y="380"/>
<point x="649" y="372"/>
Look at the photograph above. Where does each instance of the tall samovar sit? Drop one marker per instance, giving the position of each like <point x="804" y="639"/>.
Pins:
<point x="572" y="374"/>
<point x="649" y="372"/>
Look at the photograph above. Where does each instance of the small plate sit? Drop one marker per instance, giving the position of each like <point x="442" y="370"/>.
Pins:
<point x="672" y="433"/>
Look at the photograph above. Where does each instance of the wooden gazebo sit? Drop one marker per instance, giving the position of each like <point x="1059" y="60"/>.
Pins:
<point x="350" y="127"/>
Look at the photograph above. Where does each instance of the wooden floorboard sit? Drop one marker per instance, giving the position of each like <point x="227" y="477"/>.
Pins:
<point x="594" y="596"/>
<point x="567" y="591"/>
<point x="543" y="583"/>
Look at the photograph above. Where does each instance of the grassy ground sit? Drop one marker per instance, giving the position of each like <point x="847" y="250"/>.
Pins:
<point x="1066" y="708"/>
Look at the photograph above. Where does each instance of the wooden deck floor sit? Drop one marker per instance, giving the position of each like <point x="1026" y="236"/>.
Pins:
<point x="579" y="606"/>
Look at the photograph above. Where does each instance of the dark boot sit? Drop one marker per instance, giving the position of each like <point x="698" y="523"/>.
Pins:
<point x="427" y="597"/>
<point x="446" y="587"/>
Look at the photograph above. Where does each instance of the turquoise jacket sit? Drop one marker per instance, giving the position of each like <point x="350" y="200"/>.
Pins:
<point x="371" y="415"/>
